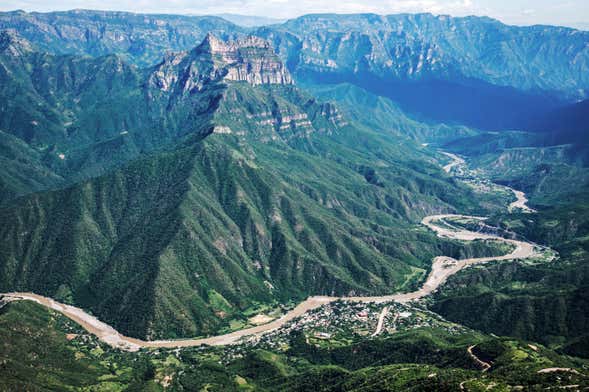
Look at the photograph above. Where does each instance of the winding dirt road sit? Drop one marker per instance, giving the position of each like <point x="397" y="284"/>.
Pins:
<point x="484" y="365"/>
<point x="442" y="268"/>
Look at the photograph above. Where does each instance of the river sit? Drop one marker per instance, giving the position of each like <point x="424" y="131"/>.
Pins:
<point x="442" y="268"/>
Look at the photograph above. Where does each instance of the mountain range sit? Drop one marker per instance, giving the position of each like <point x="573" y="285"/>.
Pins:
<point x="474" y="71"/>
<point x="176" y="175"/>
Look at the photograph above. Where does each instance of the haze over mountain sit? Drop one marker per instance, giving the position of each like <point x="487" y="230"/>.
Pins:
<point x="250" y="20"/>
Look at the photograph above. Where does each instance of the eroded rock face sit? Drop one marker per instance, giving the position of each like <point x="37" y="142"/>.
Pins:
<point x="11" y="43"/>
<point x="251" y="60"/>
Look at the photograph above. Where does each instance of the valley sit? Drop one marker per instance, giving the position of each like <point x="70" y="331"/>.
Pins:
<point x="332" y="202"/>
<point x="442" y="268"/>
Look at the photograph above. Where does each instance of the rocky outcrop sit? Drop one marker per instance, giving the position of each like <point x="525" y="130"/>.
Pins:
<point x="250" y="60"/>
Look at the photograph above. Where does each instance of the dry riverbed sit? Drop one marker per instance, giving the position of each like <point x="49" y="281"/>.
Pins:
<point x="442" y="268"/>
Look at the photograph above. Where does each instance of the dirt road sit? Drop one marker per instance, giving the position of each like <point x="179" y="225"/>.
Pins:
<point x="484" y="365"/>
<point x="380" y="323"/>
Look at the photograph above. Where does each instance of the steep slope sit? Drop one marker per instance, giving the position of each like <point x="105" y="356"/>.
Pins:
<point x="569" y="124"/>
<point x="545" y="302"/>
<point x="381" y="113"/>
<point x="24" y="169"/>
<point x="82" y="116"/>
<point x="423" y="46"/>
<point x="176" y="244"/>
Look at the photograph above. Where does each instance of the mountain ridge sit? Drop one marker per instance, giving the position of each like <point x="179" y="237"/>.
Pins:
<point x="482" y="68"/>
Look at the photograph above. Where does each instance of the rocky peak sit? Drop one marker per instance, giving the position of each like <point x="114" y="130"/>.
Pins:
<point x="251" y="59"/>
<point x="211" y="44"/>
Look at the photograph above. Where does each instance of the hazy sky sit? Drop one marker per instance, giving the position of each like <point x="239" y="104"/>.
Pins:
<point x="571" y="13"/>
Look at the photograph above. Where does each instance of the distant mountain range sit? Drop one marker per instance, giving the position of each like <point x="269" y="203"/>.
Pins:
<point x="474" y="71"/>
<point x="582" y="26"/>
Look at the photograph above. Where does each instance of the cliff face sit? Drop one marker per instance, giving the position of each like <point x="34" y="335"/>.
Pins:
<point x="250" y="60"/>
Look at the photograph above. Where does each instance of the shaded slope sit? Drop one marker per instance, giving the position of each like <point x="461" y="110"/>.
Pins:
<point x="381" y="113"/>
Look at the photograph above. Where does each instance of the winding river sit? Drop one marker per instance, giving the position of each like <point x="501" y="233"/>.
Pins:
<point x="442" y="268"/>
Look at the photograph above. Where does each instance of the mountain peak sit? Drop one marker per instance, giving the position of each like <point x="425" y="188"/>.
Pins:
<point x="250" y="59"/>
<point x="211" y="43"/>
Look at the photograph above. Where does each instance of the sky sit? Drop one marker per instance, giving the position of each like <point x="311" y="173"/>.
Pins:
<point x="573" y="13"/>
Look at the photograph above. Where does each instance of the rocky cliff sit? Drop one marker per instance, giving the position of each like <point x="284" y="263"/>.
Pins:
<point x="251" y="60"/>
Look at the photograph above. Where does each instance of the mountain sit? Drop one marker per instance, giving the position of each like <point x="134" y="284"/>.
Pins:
<point x="381" y="113"/>
<point x="581" y="26"/>
<point x="424" y="46"/>
<point x="62" y="106"/>
<point x="545" y="302"/>
<point x="473" y="71"/>
<point x="223" y="187"/>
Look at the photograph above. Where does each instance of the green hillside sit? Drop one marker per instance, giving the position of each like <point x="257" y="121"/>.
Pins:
<point x="42" y="357"/>
<point x="215" y="219"/>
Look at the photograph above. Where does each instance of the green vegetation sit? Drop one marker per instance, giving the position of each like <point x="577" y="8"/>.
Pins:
<point x="184" y="198"/>
<point x="36" y="354"/>
<point x="382" y="113"/>
<point x="41" y="356"/>
<point x="213" y="195"/>
<point x="546" y="301"/>
<point x="216" y="223"/>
